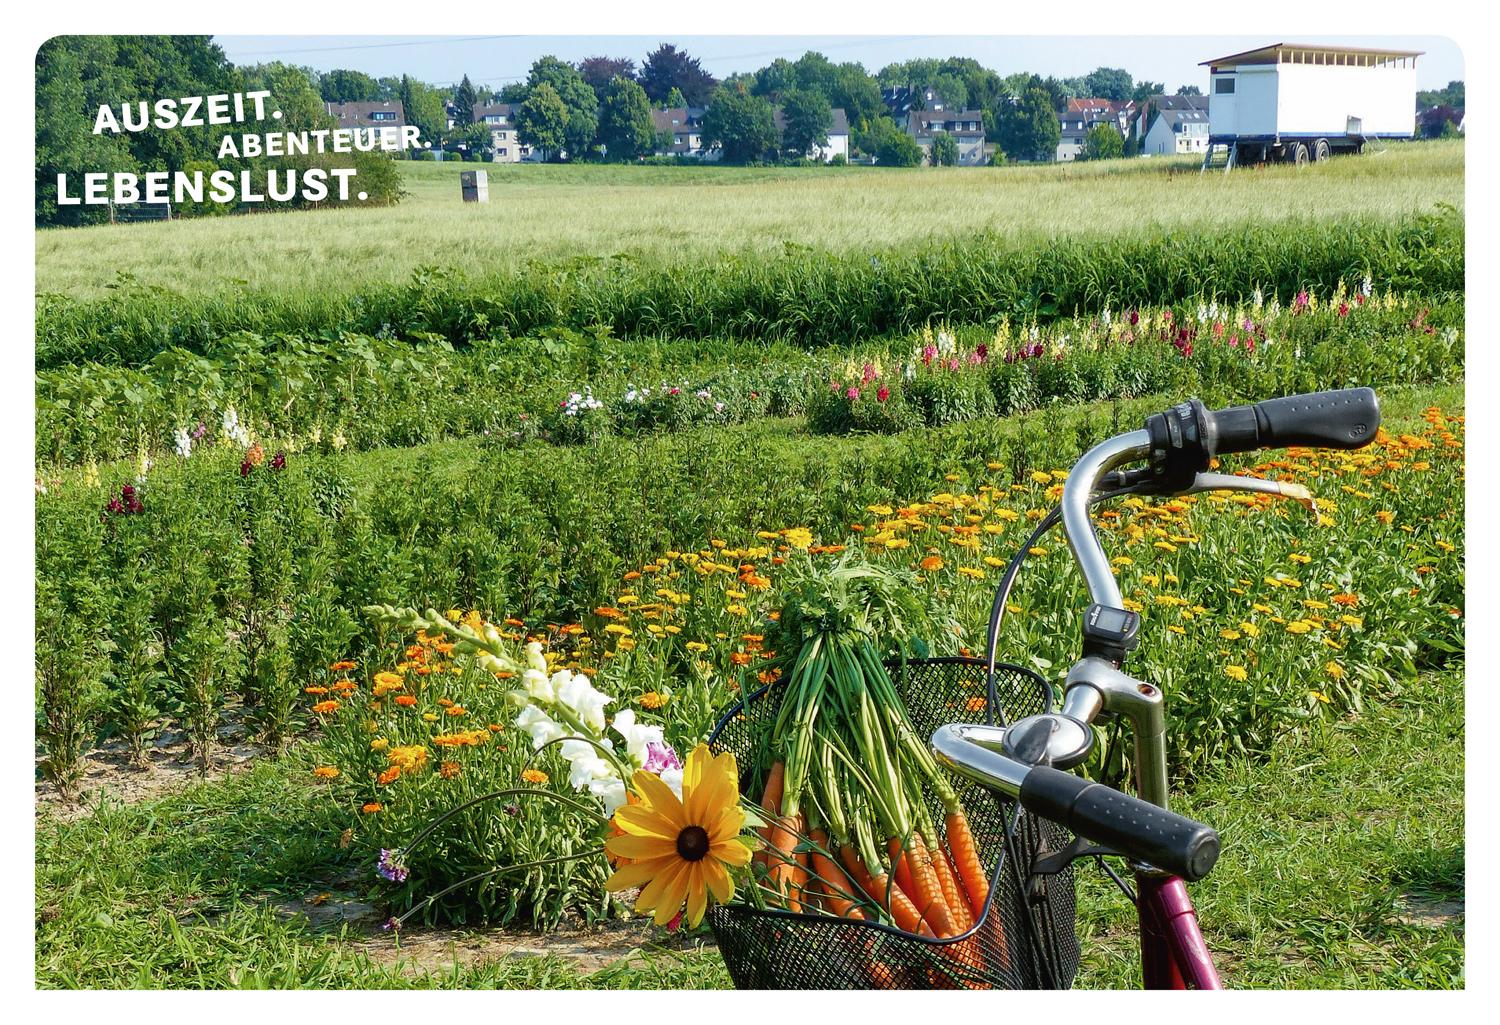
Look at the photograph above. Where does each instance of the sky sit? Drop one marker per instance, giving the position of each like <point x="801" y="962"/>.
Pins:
<point x="497" y="60"/>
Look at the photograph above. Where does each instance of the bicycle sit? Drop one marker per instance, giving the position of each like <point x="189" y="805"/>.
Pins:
<point x="1025" y="936"/>
<point x="1026" y="761"/>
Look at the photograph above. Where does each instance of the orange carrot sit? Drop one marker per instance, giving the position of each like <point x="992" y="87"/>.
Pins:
<point x="966" y="860"/>
<point x="958" y="904"/>
<point x="788" y="874"/>
<point x="886" y="892"/>
<point x="835" y="883"/>
<point x="899" y="866"/>
<point x="771" y="803"/>
<point x="928" y="894"/>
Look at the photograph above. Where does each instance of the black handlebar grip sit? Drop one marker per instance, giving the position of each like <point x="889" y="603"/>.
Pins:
<point x="1328" y="419"/>
<point x="1135" y="828"/>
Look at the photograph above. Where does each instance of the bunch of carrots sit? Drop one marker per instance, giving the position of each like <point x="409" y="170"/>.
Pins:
<point x="850" y="829"/>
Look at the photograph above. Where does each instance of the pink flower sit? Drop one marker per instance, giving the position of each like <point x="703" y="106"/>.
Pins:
<point x="929" y="353"/>
<point x="1234" y="341"/>
<point x="1249" y="343"/>
<point x="954" y="364"/>
<point x="660" y="758"/>
<point x="869" y="374"/>
<point x="1302" y="300"/>
<point x="883" y="394"/>
<point x="1343" y="309"/>
<point x="1218" y="329"/>
<point x="852" y="394"/>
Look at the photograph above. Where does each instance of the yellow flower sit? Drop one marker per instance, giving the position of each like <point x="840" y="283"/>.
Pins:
<point x="407" y="759"/>
<point x="1299" y="626"/>
<point x="1299" y="558"/>
<point x="1036" y="550"/>
<point x="1041" y="477"/>
<point x="1334" y="670"/>
<point x="379" y="744"/>
<point x="326" y="772"/>
<point x="535" y="776"/>
<point x="696" y="646"/>
<point x="651" y="700"/>
<point x="1250" y="629"/>
<point x="1230" y="635"/>
<point x="1319" y="695"/>
<point x="680" y="851"/>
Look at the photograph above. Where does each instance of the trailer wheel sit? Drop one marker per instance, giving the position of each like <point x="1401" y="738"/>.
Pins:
<point x="1321" y="150"/>
<point x="1296" y="153"/>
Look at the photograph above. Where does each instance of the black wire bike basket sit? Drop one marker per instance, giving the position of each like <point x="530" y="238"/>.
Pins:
<point x="1026" y="936"/>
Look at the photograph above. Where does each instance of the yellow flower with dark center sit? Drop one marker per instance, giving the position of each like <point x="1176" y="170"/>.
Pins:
<point x="681" y="851"/>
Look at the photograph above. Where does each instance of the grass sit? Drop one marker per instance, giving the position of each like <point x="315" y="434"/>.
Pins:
<point x="1335" y="845"/>
<point x="675" y="214"/>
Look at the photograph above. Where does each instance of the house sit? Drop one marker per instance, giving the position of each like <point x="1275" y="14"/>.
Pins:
<point x="684" y="126"/>
<point x="1082" y="117"/>
<point x="1173" y="124"/>
<point x="966" y="127"/>
<point x="838" y="136"/>
<point x="505" y="145"/>
<point x="368" y="113"/>
<point x="1302" y="101"/>
<point x="1122" y="112"/>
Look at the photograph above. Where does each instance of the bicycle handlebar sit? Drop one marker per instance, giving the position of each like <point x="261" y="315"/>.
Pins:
<point x="1127" y="824"/>
<point x="1135" y="828"/>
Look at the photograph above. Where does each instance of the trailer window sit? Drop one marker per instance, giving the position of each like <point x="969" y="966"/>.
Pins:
<point x="1223" y="85"/>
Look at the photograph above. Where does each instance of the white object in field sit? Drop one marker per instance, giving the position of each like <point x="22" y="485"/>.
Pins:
<point x="1292" y="91"/>
<point x="476" y="186"/>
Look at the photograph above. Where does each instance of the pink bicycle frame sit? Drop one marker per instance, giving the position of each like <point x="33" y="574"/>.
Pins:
<point x="1173" y="954"/>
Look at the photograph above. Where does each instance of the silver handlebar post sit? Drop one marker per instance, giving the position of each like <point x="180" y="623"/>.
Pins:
<point x="1082" y="480"/>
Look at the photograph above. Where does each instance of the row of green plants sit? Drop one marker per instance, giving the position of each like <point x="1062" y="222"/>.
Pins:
<point x="1319" y="616"/>
<point x="239" y="574"/>
<point x="1221" y="353"/>
<point x="359" y="392"/>
<point x="362" y="392"/>
<point x="808" y="295"/>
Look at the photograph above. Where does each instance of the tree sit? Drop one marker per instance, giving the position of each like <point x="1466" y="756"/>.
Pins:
<point x="1439" y="122"/>
<point x="1451" y="95"/>
<point x="475" y="138"/>
<point x="944" y="151"/>
<point x="582" y="125"/>
<point x="675" y="100"/>
<point x="1103" y="142"/>
<point x="1189" y="90"/>
<point x="424" y="109"/>
<point x="897" y="149"/>
<point x="1027" y="126"/>
<point x="1109" y="83"/>
<point x="599" y="72"/>
<point x="542" y="121"/>
<point x="741" y="125"/>
<point x="625" y="125"/>
<point x="857" y="92"/>
<point x="807" y="117"/>
<point x="1145" y="90"/>
<point x="667" y="67"/>
<point x="464" y="101"/>
<point x="343" y="86"/>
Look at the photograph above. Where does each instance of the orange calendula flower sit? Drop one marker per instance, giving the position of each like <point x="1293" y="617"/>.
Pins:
<point x="406" y="700"/>
<point x="534" y="776"/>
<point x="932" y="563"/>
<point x="315" y="690"/>
<point x="371" y="808"/>
<point x="388" y="776"/>
<point x="326" y="707"/>
<point x="449" y="770"/>
<point x="326" y="772"/>
<point x="651" y="700"/>
<point x="343" y="665"/>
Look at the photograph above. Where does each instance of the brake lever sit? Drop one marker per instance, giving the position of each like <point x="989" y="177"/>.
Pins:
<point x="1231" y="482"/>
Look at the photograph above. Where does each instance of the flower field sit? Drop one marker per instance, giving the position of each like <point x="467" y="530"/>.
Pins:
<point x="457" y="560"/>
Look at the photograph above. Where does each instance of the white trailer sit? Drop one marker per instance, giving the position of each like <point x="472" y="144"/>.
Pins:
<point x="1298" y="102"/>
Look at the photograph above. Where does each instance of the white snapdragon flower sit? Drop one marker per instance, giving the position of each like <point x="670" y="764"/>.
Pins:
<point x="1257" y="299"/>
<point x="539" y="726"/>
<point x="1366" y="287"/>
<point x="585" y="764"/>
<point x="184" y="442"/>
<point x="534" y="657"/>
<point x="538" y="686"/>
<point x="610" y="791"/>
<point x="576" y="692"/>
